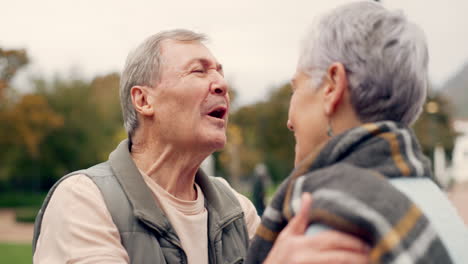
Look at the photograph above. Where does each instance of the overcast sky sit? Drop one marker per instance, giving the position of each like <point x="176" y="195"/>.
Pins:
<point x="257" y="41"/>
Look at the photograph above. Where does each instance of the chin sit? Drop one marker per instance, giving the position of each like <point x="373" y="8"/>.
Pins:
<point x="297" y="157"/>
<point x="214" y="142"/>
<point x="212" y="139"/>
<point x="218" y="144"/>
<point x="300" y="155"/>
<point x="296" y="162"/>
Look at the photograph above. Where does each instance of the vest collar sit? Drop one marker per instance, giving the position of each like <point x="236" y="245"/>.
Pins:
<point x="136" y="190"/>
<point x="220" y="208"/>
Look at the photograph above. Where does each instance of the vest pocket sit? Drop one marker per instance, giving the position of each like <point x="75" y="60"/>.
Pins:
<point x="233" y="248"/>
<point x="238" y="260"/>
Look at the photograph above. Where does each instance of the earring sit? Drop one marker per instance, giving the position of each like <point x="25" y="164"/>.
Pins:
<point x="329" y="129"/>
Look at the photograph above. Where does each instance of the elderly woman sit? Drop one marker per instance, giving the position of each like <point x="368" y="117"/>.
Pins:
<point x="360" y="83"/>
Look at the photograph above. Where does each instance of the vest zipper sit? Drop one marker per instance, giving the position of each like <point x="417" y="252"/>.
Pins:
<point x="170" y="237"/>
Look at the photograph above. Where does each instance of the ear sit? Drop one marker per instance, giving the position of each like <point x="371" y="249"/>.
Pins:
<point x="335" y="90"/>
<point x="142" y="100"/>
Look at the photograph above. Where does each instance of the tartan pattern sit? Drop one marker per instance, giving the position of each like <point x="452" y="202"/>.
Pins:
<point x="348" y="182"/>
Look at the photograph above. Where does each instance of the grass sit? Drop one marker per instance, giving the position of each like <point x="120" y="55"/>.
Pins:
<point x="15" y="253"/>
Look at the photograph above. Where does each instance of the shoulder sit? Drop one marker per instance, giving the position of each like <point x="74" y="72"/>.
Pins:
<point x="74" y="186"/>
<point x="343" y="176"/>
<point x="344" y="183"/>
<point x="77" y="225"/>
<point x="74" y="191"/>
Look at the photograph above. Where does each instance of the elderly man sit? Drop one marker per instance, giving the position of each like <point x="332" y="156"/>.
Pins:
<point x="360" y="83"/>
<point x="150" y="203"/>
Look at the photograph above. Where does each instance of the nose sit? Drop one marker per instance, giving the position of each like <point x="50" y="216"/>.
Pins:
<point x="289" y="125"/>
<point x="219" y="85"/>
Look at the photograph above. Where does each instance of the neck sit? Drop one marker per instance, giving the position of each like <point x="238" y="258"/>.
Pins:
<point x="344" y="119"/>
<point x="172" y="167"/>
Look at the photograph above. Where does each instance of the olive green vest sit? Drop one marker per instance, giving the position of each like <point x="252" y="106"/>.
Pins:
<point x="145" y="231"/>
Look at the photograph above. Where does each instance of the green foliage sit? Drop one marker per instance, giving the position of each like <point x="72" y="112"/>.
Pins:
<point x="27" y="122"/>
<point x="21" y="199"/>
<point x="92" y="119"/>
<point x="65" y="125"/>
<point x="434" y="126"/>
<point x="16" y="253"/>
<point x="264" y="136"/>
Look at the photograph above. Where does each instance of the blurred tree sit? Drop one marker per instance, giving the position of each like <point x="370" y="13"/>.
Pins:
<point x="237" y="157"/>
<point x="10" y="62"/>
<point x="26" y="124"/>
<point x="235" y="160"/>
<point x="67" y="124"/>
<point x="92" y="122"/>
<point x="105" y="95"/>
<point x="434" y="126"/>
<point x="264" y="136"/>
<point x="277" y="142"/>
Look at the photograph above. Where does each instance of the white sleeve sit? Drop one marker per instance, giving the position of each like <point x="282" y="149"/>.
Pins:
<point x="78" y="228"/>
<point x="251" y="217"/>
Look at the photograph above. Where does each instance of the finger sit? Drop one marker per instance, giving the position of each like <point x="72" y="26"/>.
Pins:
<point x="300" y="221"/>
<point x="330" y="257"/>
<point x="334" y="240"/>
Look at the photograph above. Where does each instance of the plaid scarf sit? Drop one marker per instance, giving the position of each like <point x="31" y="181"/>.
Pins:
<point x="348" y="182"/>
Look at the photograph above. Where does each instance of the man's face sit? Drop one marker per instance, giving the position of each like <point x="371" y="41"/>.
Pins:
<point x="306" y="116"/>
<point x="191" y="99"/>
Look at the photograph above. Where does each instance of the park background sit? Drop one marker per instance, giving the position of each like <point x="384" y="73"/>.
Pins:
<point x="59" y="76"/>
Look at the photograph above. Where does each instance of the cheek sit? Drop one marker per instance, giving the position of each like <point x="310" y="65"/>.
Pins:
<point x="299" y="111"/>
<point x="305" y="122"/>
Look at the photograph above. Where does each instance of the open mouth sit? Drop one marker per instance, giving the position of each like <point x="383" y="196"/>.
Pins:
<point x="218" y="112"/>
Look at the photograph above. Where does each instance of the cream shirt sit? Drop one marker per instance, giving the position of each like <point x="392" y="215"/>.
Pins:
<point x="78" y="228"/>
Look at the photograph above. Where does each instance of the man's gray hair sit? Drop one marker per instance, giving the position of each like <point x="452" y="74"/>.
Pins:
<point x="385" y="57"/>
<point x="142" y="67"/>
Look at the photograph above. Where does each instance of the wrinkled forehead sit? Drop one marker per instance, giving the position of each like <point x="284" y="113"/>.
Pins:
<point x="180" y="54"/>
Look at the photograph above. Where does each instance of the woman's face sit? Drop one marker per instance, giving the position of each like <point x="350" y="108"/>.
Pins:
<point x="307" y="117"/>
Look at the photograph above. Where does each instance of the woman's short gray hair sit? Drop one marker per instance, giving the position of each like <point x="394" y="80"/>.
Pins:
<point x="142" y="67"/>
<point x="385" y="57"/>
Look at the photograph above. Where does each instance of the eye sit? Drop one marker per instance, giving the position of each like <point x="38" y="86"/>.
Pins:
<point x="198" y="70"/>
